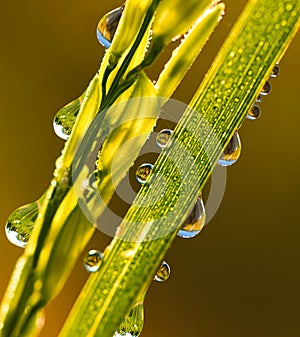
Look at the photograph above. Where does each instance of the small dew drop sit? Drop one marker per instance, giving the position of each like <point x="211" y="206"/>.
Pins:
<point x="108" y="25"/>
<point x="163" y="272"/>
<point x="163" y="138"/>
<point x="259" y="99"/>
<point x="267" y="88"/>
<point x="133" y="323"/>
<point x="275" y="71"/>
<point x="254" y="113"/>
<point x="20" y="224"/>
<point x="93" y="260"/>
<point x="232" y="151"/>
<point x="195" y="222"/>
<point x="143" y="172"/>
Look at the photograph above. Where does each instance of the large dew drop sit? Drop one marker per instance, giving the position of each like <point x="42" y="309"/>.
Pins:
<point x="20" y="223"/>
<point x="107" y="26"/>
<point x="93" y="260"/>
<point x="195" y="222"/>
<point x="143" y="172"/>
<point x="163" y="272"/>
<point x="232" y="151"/>
<point x="65" y="119"/>
<point x="132" y="325"/>
<point x="163" y="138"/>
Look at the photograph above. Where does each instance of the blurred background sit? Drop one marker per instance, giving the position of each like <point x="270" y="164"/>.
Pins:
<point x="241" y="275"/>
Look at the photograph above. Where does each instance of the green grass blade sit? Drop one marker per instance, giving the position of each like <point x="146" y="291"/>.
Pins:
<point x="184" y="56"/>
<point x="134" y="256"/>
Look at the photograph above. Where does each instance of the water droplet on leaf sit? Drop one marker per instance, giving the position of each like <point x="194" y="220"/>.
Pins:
<point x="132" y="325"/>
<point x="143" y="172"/>
<point x="195" y="222"/>
<point x="259" y="99"/>
<point x="254" y="113"/>
<point x="93" y="260"/>
<point x="65" y="119"/>
<point x="163" y="138"/>
<point x="275" y="71"/>
<point x="163" y="272"/>
<point x="20" y="223"/>
<point x="232" y="151"/>
<point x="267" y="88"/>
<point x="107" y="26"/>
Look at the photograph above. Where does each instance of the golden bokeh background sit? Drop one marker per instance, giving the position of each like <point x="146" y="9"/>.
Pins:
<point x="241" y="276"/>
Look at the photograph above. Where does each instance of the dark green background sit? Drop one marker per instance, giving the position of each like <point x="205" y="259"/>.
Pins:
<point x="241" y="276"/>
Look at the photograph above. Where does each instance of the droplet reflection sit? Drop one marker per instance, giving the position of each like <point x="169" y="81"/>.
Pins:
<point x="132" y="325"/>
<point x="163" y="138"/>
<point x="107" y="26"/>
<point x="143" y="172"/>
<point x="195" y="222"/>
<point x="163" y="273"/>
<point x="93" y="260"/>
<point x="275" y="71"/>
<point x="232" y="151"/>
<point x="254" y="113"/>
<point x="20" y="223"/>
<point x="267" y="88"/>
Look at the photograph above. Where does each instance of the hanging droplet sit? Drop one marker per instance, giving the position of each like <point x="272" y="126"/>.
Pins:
<point x="275" y="71"/>
<point x="259" y="99"/>
<point x="143" y="172"/>
<point x="65" y="118"/>
<point x="107" y="26"/>
<point x="20" y="223"/>
<point x="132" y="325"/>
<point x="254" y="113"/>
<point x="267" y="88"/>
<point x="163" y="138"/>
<point x="195" y="222"/>
<point x="163" y="272"/>
<point x="93" y="260"/>
<point x="232" y="151"/>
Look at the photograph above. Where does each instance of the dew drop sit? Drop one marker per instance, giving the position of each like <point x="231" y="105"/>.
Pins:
<point x="267" y="88"/>
<point x="20" y="223"/>
<point x="93" y="260"/>
<point x="163" y="138"/>
<point x="275" y="71"/>
<point x="195" y="222"/>
<point x="65" y="119"/>
<point x="132" y="325"/>
<point x="107" y="26"/>
<point x="163" y="272"/>
<point x="259" y="99"/>
<point x="143" y="172"/>
<point x="232" y="151"/>
<point x="254" y="113"/>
